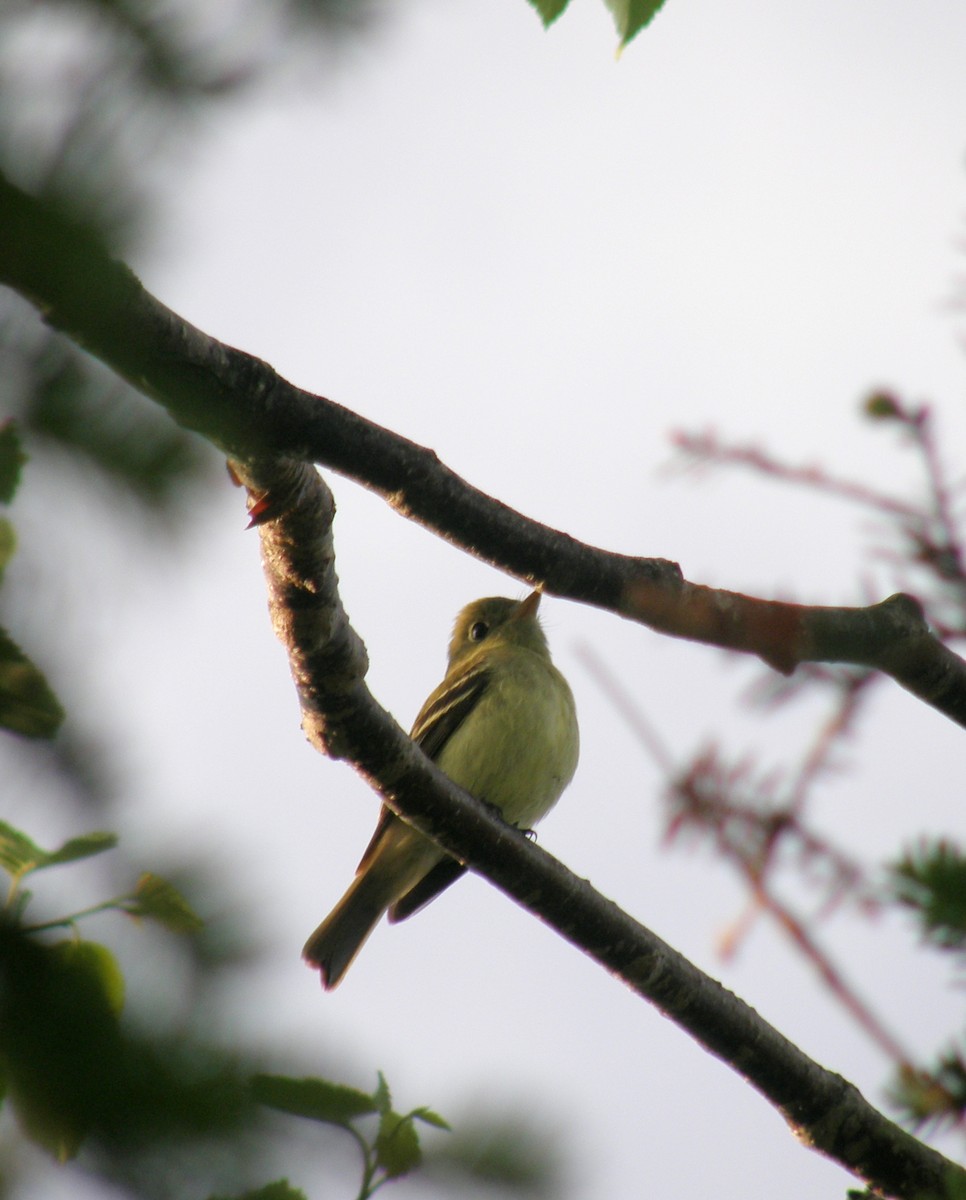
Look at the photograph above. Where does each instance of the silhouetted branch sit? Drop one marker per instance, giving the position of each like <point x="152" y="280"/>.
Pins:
<point x="273" y="431"/>
<point x="239" y="403"/>
<point x="928" y="531"/>
<point x="342" y="719"/>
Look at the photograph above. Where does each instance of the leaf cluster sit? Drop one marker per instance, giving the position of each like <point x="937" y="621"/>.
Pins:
<point x="73" y="1071"/>
<point x="146" y="1108"/>
<point x="389" y="1150"/>
<point x="28" y="705"/>
<point x="930" y="881"/>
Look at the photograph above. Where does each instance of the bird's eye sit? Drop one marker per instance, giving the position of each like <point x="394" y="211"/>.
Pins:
<point x="478" y="631"/>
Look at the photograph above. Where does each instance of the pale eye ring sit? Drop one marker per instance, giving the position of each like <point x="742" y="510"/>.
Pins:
<point x="478" y="631"/>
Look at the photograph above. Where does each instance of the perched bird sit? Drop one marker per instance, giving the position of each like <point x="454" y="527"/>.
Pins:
<point x="502" y="725"/>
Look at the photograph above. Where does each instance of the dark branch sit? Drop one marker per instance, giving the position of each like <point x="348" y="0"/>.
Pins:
<point x="274" y="429"/>
<point x="342" y="719"/>
<point x="239" y="403"/>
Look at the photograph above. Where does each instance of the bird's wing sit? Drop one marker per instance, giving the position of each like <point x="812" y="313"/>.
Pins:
<point x="428" y="888"/>
<point x="444" y="712"/>
<point x="448" y="707"/>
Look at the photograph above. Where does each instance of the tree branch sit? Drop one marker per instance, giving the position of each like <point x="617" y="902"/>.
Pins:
<point x="274" y="430"/>
<point x="342" y="719"/>
<point x="239" y="403"/>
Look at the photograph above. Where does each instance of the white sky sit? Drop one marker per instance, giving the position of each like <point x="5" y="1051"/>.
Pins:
<point x="538" y="260"/>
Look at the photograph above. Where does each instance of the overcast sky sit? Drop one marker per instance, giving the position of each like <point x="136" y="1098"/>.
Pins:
<point x="539" y="260"/>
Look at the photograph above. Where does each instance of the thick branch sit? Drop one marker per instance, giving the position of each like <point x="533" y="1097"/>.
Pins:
<point x="243" y="406"/>
<point x="342" y="719"/>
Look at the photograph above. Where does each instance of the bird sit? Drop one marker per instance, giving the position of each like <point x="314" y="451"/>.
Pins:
<point x="503" y="725"/>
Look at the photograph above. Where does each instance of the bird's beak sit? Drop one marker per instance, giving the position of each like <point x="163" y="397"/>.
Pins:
<point x="528" y="607"/>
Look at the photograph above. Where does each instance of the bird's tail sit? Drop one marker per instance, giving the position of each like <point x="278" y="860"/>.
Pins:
<point x="342" y="934"/>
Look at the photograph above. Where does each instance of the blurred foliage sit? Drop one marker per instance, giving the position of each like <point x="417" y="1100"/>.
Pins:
<point x="390" y="1150"/>
<point x="20" y="855"/>
<point x="930" y="882"/>
<point x="97" y="100"/>
<point x="96" y="96"/>
<point x="95" y="93"/>
<point x="12" y="459"/>
<point x="760" y="819"/>
<point x="76" y="404"/>
<point x="77" y="1076"/>
<point x="149" y="1109"/>
<point x="28" y="706"/>
<point x="933" y="1097"/>
<point x="280" y="1190"/>
<point x="505" y="1149"/>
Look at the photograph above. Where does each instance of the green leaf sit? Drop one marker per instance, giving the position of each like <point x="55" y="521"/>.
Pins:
<point x="59" y="1024"/>
<point x="17" y="905"/>
<point x="280" y="1190"/>
<point x="8" y="544"/>
<point x="86" y="846"/>
<point x="27" y="704"/>
<point x="12" y="459"/>
<point x="382" y="1097"/>
<point x="158" y="900"/>
<point x="316" y="1099"/>
<point x="129" y="439"/>
<point x="397" y="1145"/>
<point x="630" y="16"/>
<point x="75" y="1073"/>
<point x="549" y="10"/>
<point x="19" y="855"/>
<point x="431" y="1118"/>
<point x="96" y="965"/>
